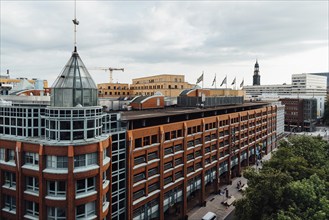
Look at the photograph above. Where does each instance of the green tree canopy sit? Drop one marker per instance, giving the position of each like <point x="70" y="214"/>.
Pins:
<point x="292" y="185"/>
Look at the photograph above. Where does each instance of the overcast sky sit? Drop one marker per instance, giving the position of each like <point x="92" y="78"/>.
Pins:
<point x="174" y="37"/>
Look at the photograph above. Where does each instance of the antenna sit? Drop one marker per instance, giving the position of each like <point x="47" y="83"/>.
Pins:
<point x="75" y="22"/>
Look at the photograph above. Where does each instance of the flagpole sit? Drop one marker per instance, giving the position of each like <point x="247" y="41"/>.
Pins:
<point x="226" y="82"/>
<point x="234" y="83"/>
<point x="215" y="82"/>
<point x="202" y="78"/>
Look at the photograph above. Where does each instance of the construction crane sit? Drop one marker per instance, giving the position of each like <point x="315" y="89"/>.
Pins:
<point x="110" y="69"/>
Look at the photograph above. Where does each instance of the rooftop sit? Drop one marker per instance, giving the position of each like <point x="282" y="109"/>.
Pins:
<point x="155" y="113"/>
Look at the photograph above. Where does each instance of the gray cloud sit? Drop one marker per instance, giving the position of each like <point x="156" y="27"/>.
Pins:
<point x="37" y="36"/>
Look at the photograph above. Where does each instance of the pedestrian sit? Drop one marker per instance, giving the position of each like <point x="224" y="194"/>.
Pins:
<point x="226" y="193"/>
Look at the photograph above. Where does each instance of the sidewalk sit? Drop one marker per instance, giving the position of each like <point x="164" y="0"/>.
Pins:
<point x="214" y="202"/>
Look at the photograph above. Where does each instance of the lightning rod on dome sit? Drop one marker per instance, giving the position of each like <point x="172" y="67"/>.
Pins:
<point x="75" y="22"/>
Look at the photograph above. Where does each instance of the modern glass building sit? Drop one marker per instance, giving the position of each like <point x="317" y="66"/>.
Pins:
<point x="56" y="160"/>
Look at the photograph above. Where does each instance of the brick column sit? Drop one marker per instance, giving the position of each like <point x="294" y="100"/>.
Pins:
<point x="70" y="185"/>
<point x="130" y="159"/>
<point x="229" y="174"/>
<point x="185" y="172"/>
<point x="109" y="177"/>
<point x="202" y="162"/>
<point x="42" y="184"/>
<point x="161" y="170"/>
<point x="19" y="186"/>
<point x="99" y="181"/>
<point x="1" y="183"/>
<point x="218" y="156"/>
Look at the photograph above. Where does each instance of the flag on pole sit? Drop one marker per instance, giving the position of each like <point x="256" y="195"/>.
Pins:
<point x="214" y="81"/>
<point x="199" y="79"/>
<point x="241" y="84"/>
<point x="224" y="81"/>
<point x="233" y="81"/>
<point x="75" y="21"/>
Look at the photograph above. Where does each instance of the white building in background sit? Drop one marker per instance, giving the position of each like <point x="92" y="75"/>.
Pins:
<point x="303" y="86"/>
<point x="308" y="84"/>
<point x="279" y="119"/>
<point x="254" y="91"/>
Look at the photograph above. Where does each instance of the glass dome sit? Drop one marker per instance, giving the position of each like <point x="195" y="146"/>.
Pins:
<point x="74" y="86"/>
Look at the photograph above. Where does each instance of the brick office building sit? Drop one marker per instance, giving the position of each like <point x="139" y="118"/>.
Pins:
<point x="56" y="159"/>
<point x="300" y="114"/>
<point x="70" y="160"/>
<point x="178" y="157"/>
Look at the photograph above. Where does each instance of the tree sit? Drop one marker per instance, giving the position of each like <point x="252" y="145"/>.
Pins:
<point x="307" y="199"/>
<point x="264" y="195"/>
<point x="326" y="113"/>
<point x="292" y="185"/>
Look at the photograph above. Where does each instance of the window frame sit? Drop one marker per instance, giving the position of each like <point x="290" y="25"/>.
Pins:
<point x="35" y="184"/>
<point x="56" y="192"/>
<point x="86" y="188"/>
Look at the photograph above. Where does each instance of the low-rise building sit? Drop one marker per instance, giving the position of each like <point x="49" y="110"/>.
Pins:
<point x="300" y="114"/>
<point x="167" y="84"/>
<point x="113" y="90"/>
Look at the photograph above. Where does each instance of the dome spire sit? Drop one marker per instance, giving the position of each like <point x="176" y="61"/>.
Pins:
<point x="75" y="23"/>
<point x="74" y="86"/>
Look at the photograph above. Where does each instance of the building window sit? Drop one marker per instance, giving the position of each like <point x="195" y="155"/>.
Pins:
<point x="190" y="156"/>
<point x="153" y="187"/>
<point x="56" y="188"/>
<point x="178" y="148"/>
<point x="147" y="211"/>
<point x="104" y="177"/>
<point x="32" y="209"/>
<point x="138" y="194"/>
<point x="190" y="169"/>
<point x="167" y="180"/>
<point x="10" y="179"/>
<point x="168" y="165"/>
<point x="11" y="155"/>
<point x="32" y="184"/>
<point x="56" y="213"/>
<point x="139" y="160"/>
<point x="56" y="162"/>
<point x="104" y="154"/>
<point x="179" y="175"/>
<point x="169" y="150"/>
<point x="105" y="199"/>
<point x="153" y="171"/>
<point x="10" y="203"/>
<point x="85" y="211"/>
<point x="139" y="177"/>
<point x="2" y="154"/>
<point x="152" y="156"/>
<point x="31" y="158"/>
<point x="85" y="185"/>
<point x="178" y="161"/>
<point x="85" y="160"/>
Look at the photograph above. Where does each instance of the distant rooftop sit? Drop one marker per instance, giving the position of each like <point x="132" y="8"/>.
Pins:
<point x="135" y="115"/>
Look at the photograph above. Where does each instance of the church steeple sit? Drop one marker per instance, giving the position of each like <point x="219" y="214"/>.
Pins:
<point x="256" y="77"/>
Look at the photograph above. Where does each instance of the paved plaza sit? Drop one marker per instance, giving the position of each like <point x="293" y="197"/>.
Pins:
<point x="214" y="202"/>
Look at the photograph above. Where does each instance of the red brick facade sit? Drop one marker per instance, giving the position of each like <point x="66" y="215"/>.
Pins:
<point x="189" y="149"/>
<point x="70" y="177"/>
